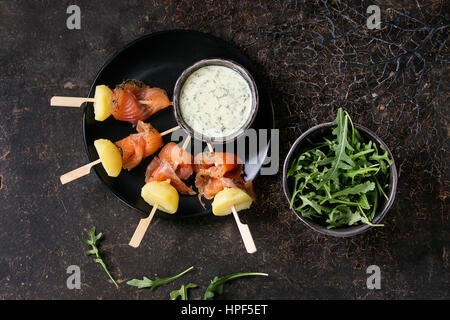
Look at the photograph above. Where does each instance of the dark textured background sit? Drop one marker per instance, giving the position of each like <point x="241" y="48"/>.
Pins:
<point x="315" y="57"/>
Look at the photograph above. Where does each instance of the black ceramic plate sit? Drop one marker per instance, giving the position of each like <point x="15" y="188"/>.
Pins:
<point x="158" y="60"/>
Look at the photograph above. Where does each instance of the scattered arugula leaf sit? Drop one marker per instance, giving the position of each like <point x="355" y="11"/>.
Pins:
<point x="92" y="241"/>
<point x="153" y="284"/>
<point x="339" y="179"/>
<point x="216" y="285"/>
<point x="182" y="292"/>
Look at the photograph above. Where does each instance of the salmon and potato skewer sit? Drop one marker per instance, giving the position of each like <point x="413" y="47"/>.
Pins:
<point x="161" y="195"/>
<point x="130" y="101"/>
<point x="220" y="176"/>
<point x="131" y="150"/>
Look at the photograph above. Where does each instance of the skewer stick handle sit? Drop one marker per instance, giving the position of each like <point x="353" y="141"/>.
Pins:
<point x="75" y="102"/>
<point x="211" y="149"/>
<point x="245" y="233"/>
<point x="170" y="130"/>
<point x="185" y="144"/>
<point x="142" y="228"/>
<point x="78" y="173"/>
<point x="145" y="102"/>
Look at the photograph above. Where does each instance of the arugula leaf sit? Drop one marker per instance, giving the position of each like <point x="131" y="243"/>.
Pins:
<point x="216" y="285"/>
<point x="365" y="220"/>
<point x="357" y="189"/>
<point x="307" y="202"/>
<point x="341" y="160"/>
<point x="92" y="241"/>
<point x="382" y="159"/>
<point x="380" y="189"/>
<point x="361" y="171"/>
<point x="153" y="284"/>
<point x="364" y="202"/>
<point x="182" y="292"/>
<point x="342" y="215"/>
<point x="374" y="198"/>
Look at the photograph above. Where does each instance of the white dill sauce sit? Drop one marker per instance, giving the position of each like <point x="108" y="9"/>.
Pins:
<point x="215" y="101"/>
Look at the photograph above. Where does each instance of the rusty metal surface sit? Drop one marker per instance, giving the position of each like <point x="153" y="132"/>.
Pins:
<point x="315" y="57"/>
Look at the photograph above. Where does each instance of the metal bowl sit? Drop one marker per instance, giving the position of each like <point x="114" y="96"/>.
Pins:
<point x="296" y="149"/>
<point x="215" y="62"/>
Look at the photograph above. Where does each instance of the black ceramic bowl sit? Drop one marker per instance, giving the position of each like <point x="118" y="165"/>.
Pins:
<point x="297" y="148"/>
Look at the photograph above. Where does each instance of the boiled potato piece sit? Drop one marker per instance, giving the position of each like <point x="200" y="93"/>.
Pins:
<point x="227" y="198"/>
<point x="103" y="102"/>
<point x="110" y="156"/>
<point x="161" y="193"/>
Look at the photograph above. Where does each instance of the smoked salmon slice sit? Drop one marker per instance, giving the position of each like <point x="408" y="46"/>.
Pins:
<point x="161" y="170"/>
<point x="216" y="171"/>
<point x="153" y="140"/>
<point x="215" y="164"/>
<point x="132" y="148"/>
<point x="175" y="155"/>
<point x="125" y="106"/>
<point x="139" y="145"/>
<point x="126" y="97"/>
<point x="208" y="187"/>
<point x="157" y="99"/>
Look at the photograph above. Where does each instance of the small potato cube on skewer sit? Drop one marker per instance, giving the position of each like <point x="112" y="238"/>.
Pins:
<point x="103" y="102"/>
<point x="163" y="194"/>
<point x="110" y="156"/>
<point x="227" y="198"/>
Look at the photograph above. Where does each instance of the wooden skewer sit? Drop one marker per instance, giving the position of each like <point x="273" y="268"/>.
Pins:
<point x="243" y="228"/>
<point x="245" y="233"/>
<point x="144" y="223"/>
<point x="142" y="228"/>
<point x="86" y="169"/>
<point x="76" y="102"/>
<point x="211" y="149"/>
<point x="77" y="173"/>
<point x="170" y="130"/>
<point x="185" y="144"/>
